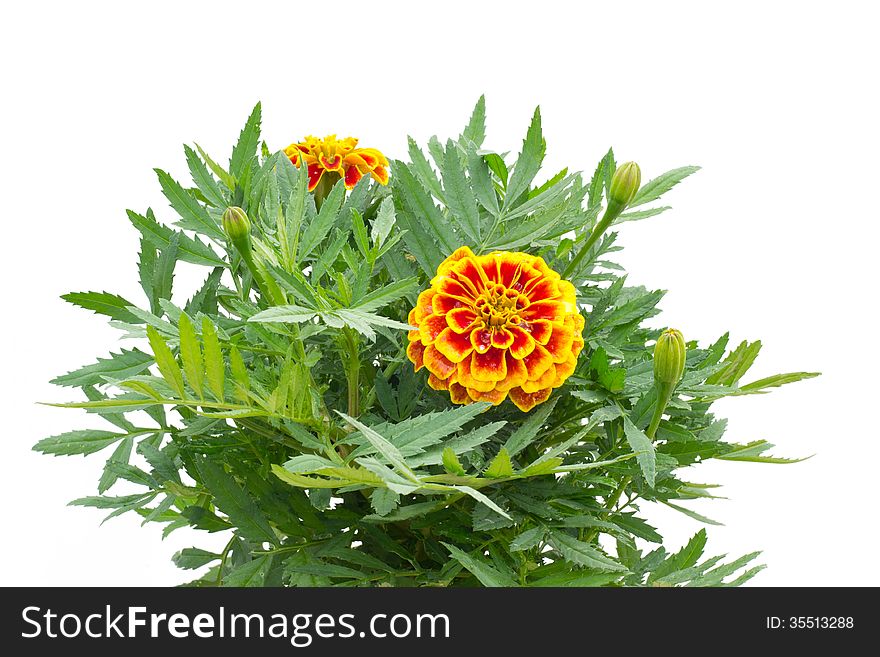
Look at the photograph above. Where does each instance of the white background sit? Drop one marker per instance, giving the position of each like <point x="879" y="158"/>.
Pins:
<point x="776" y="238"/>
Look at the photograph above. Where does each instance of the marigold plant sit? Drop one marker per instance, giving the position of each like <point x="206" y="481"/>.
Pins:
<point x="283" y="403"/>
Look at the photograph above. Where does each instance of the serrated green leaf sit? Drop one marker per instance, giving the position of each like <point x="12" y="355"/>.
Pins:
<point x="500" y="466"/>
<point x="233" y="500"/>
<point x="581" y="553"/>
<point x="246" y="148"/>
<point x="654" y="189"/>
<point x="104" y="303"/>
<point x="451" y="463"/>
<point x="166" y="362"/>
<point x="215" y="368"/>
<point x="486" y="574"/>
<point x="189" y="249"/>
<point x="117" y="366"/>
<point x="643" y="448"/>
<point x="459" y="198"/>
<point x="192" y="215"/>
<point x="528" y="163"/>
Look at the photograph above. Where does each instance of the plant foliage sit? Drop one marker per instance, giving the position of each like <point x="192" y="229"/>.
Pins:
<point x="288" y="417"/>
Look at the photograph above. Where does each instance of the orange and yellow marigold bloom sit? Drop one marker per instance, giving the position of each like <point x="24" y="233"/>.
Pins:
<point x="338" y="156"/>
<point x="496" y="325"/>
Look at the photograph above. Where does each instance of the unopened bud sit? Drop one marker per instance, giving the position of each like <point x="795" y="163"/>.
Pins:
<point x="669" y="357"/>
<point x="236" y="225"/>
<point x="624" y="185"/>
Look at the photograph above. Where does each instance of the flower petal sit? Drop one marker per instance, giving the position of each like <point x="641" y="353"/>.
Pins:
<point x="470" y="274"/>
<point x="330" y="163"/>
<point x="495" y="396"/>
<point x="502" y="338"/>
<point x="565" y="370"/>
<point x="523" y="343"/>
<point x="415" y="352"/>
<point x="430" y="327"/>
<point x="546" y="380"/>
<point x="437" y="383"/>
<point x="352" y="177"/>
<point x="526" y="401"/>
<point x="443" y="303"/>
<point x="490" y="366"/>
<point x="446" y="266"/>
<point x="460" y="319"/>
<point x="481" y="339"/>
<point x="540" y="330"/>
<point x="538" y="362"/>
<point x="463" y="375"/>
<point x="437" y="364"/>
<point x="458" y="394"/>
<point x="454" y="346"/>
<point x="559" y="344"/>
<point x="517" y="374"/>
<point x="380" y="175"/>
<point x="553" y="311"/>
<point x="315" y="172"/>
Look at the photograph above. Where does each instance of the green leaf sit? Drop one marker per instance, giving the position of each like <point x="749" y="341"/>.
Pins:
<point x="475" y="131"/>
<point x="486" y="574"/>
<point x="692" y="514"/>
<point x="736" y="364"/>
<point x="191" y="354"/>
<point x="483" y="499"/>
<point x="189" y="249"/>
<point x="239" y="374"/>
<point x="500" y="466"/>
<point x="192" y="558"/>
<point x="528" y="431"/>
<point x="643" y="448"/>
<point x="459" y="199"/>
<point x="753" y="452"/>
<point x="686" y="557"/>
<point x="231" y="498"/>
<point x="384" y="500"/>
<point x="528" y="163"/>
<point x="166" y="362"/>
<point x="163" y="276"/>
<point x="481" y="183"/>
<point x="384" y="221"/>
<point x="246" y="148"/>
<point x="654" y="189"/>
<point x="581" y="553"/>
<point x="384" y="295"/>
<point x="529" y="539"/>
<point x="775" y="381"/>
<point x="218" y="171"/>
<point x="420" y="205"/>
<point x="120" y="455"/>
<point x="84" y="441"/>
<point x="118" y="366"/>
<point x="251" y="573"/>
<point x="451" y="463"/>
<point x="388" y="451"/>
<point x="203" y="179"/>
<point x="284" y="314"/>
<point x="215" y="367"/>
<point x="104" y="303"/>
<point x="192" y="215"/>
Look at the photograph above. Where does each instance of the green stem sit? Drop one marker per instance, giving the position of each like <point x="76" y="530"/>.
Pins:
<point x="611" y="213"/>
<point x="664" y="394"/>
<point x="353" y="368"/>
<point x="223" y="558"/>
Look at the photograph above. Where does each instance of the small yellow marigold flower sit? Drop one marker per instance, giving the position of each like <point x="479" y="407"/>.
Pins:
<point x="340" y="157"/>
<point x="496" y="325"/>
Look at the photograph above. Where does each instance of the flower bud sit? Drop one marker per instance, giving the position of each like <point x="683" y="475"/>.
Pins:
<point x="669" y="357"/>
<point x="236" y="225"/>
<point x="624" y="185"/>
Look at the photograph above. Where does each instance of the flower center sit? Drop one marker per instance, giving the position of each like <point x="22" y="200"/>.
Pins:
<point x="499" y="305"/>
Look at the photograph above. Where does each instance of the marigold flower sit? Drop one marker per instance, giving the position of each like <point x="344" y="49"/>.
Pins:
<point x="339" y="156"/>
<point x="496" y="325"/>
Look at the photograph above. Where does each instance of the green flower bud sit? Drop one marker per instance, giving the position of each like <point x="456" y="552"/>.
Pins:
<point x="669" y="357"/>
<point x="236" y="225"/>
<point x="624" y="185"/>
